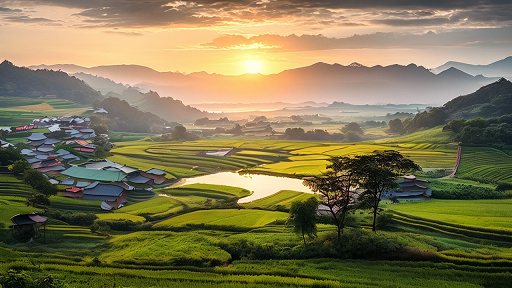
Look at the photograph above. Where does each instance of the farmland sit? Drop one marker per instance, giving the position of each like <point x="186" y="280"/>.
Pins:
<point x="16" y="111"/>
<point x="197" y="235"/>
<point x="482" y="163"/>
<point x="277" y="157"/>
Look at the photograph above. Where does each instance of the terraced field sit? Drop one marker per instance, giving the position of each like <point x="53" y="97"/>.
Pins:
<point x="17" y="111"/>
<point x="13" y="194"/>
<point x="485" y="163"/>
<point x="281" y="198"/>
<point x="225" y="217"/>
<point x="267" y="156"/>
<point x="495" y="214"/>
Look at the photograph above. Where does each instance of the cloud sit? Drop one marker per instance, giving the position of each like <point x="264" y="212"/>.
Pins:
<point x="9" y="10"/>
<point x="123" y="33"/>
<point x="313" y="14"/>
<point x="277" y="43"/>
<point x="29" y="20"/>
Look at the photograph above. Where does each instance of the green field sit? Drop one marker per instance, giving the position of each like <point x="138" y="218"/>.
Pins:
<point x="269" y="156"/>
<point x="18" y="111"/>
<point x="225" y="217"/>
<point x="281" y="198"/>
<point x="483" y="163"/>
<point x="477" y="213"/>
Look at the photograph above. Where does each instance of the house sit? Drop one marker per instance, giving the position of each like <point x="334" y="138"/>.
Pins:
<point x="410" y="188"/>
<point x="113" y="196"/>
<point x="28" y="222"/>
<point x="157" y="175"/>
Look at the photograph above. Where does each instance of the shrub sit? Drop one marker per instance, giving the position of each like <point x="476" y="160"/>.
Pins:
<point x="503" y="186"/>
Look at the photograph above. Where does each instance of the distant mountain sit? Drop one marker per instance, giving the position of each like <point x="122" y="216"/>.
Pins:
<point x="165" y="107"/>
<point x="321" y="82"/>
<point x="501" y="68"/>
<point x="24" y="82"/>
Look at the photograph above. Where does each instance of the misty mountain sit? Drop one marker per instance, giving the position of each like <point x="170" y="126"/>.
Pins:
<point x="501" y="68"/>
<point x="320" y="82"/>
<point x="168" y="108"/>
<point x="492" y="100"/>
<point x="24" y="82"/>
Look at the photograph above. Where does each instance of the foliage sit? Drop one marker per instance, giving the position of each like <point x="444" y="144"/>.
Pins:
<point x="19" y="166"/>
<point x="39" y="182"/>
<point x="303" y="217"/>
<point x="83" y="219"/>
<point x="503" y="186"/>
<point x="312" y="135"/>
<point x="179" y="134"/>
<point x="378" y="173"/>
<point x="396" y="126"/>
<point x="99" y="128"/>
<point x="445" y="190"/>
<point x="496" y="132"/>
<point x="9" y="155"/>
<point x="24" y="82"/>
<point x="352" y="126"/>
<point x="125" y="118"/>
<point x="38" y="200"/>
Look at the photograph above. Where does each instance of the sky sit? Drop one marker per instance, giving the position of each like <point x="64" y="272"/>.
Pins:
<point x="222" y="36"/>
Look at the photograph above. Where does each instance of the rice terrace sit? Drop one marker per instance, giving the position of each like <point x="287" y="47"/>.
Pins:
<point x="326" y="144"/>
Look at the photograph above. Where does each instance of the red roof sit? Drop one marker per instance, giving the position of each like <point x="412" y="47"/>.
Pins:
<point x="88" y="150"/>
<point x="74" y="189"/>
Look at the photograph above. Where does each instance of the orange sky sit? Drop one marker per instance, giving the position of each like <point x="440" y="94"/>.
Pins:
<point x="220" y="36"/>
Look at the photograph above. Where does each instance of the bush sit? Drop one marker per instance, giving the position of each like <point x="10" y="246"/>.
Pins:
<point x="465" y="192"/>
<point x="80" y="219"/>
<point x="503" y="186"/>
<point x="38" y="201"/>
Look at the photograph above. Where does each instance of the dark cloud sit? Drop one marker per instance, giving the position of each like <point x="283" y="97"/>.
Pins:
<point x="9" y="10"/>
<point x="321" y="13"/>
<point x="29" y="20"/>
<point x="277" y="43"/>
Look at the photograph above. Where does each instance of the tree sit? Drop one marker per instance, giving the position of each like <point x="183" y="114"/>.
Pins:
<point x="178" y="133"/>
<point x="100" y="129"/>
<point x="19" y="166"/>
<point x="337" y="188"/>
<point x="303" y="217"/>
<point x="352" y="126"/>
<point x="396" y="126"/>
<point x="38" y="201"/>
<point x="378" y="173"/>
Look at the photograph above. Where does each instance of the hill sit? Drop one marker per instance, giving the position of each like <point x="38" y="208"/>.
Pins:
<point x="493" y="100"/>
<point x="23" y="82"/>
<point x="501" y="68"/>
<point x="355" y="84"/>
<point x="167" y="108"/>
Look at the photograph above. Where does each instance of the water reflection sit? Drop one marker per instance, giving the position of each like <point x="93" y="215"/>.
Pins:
<point x="261" y="185"/>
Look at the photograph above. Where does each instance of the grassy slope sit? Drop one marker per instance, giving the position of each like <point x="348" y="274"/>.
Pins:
<point x="485" y="163"/>
<point x="283" y="198"/>
<point x="478" y="213"/>
<point x="225" y="217"/>
<point x="16" y="111"/>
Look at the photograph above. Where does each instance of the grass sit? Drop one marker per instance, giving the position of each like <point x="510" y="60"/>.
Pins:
<point x="224" y="217"/>
<point x="478" y="213"/>
<point x="281" y="198"/>
<point x="483" y="163"/>
<point x="18" y="111"/>
<point x="158" y="246"/>
<point x="120" y="216"/>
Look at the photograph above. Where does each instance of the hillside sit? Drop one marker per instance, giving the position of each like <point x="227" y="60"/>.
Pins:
<point x="500" y="68"/>
<point x="493" y="100"/>
<point x="167" y="108"/>
<point x="23" y="82"/>
<point x="356" y="84"/>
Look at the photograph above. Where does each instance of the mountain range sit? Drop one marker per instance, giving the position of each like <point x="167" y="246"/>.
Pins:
<point x="501" y="68"/>
<point x="353" y="83"/>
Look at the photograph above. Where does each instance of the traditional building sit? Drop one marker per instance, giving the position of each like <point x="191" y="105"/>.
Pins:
<point x="410" y="188"/>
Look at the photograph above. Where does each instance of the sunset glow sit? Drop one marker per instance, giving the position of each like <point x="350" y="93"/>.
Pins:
<point x="213" y="36"/>
<point x="253" y="66"/>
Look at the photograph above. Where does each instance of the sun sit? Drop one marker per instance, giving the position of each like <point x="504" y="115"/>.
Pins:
<point x="253" y="66"/>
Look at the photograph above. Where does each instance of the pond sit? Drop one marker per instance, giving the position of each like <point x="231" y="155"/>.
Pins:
<point x="261" y="185"/>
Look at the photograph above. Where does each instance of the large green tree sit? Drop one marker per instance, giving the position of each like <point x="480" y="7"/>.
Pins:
<point x="303" y="217"/>
<point x="336" y="187"/>
<point x="378" y="173"/>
